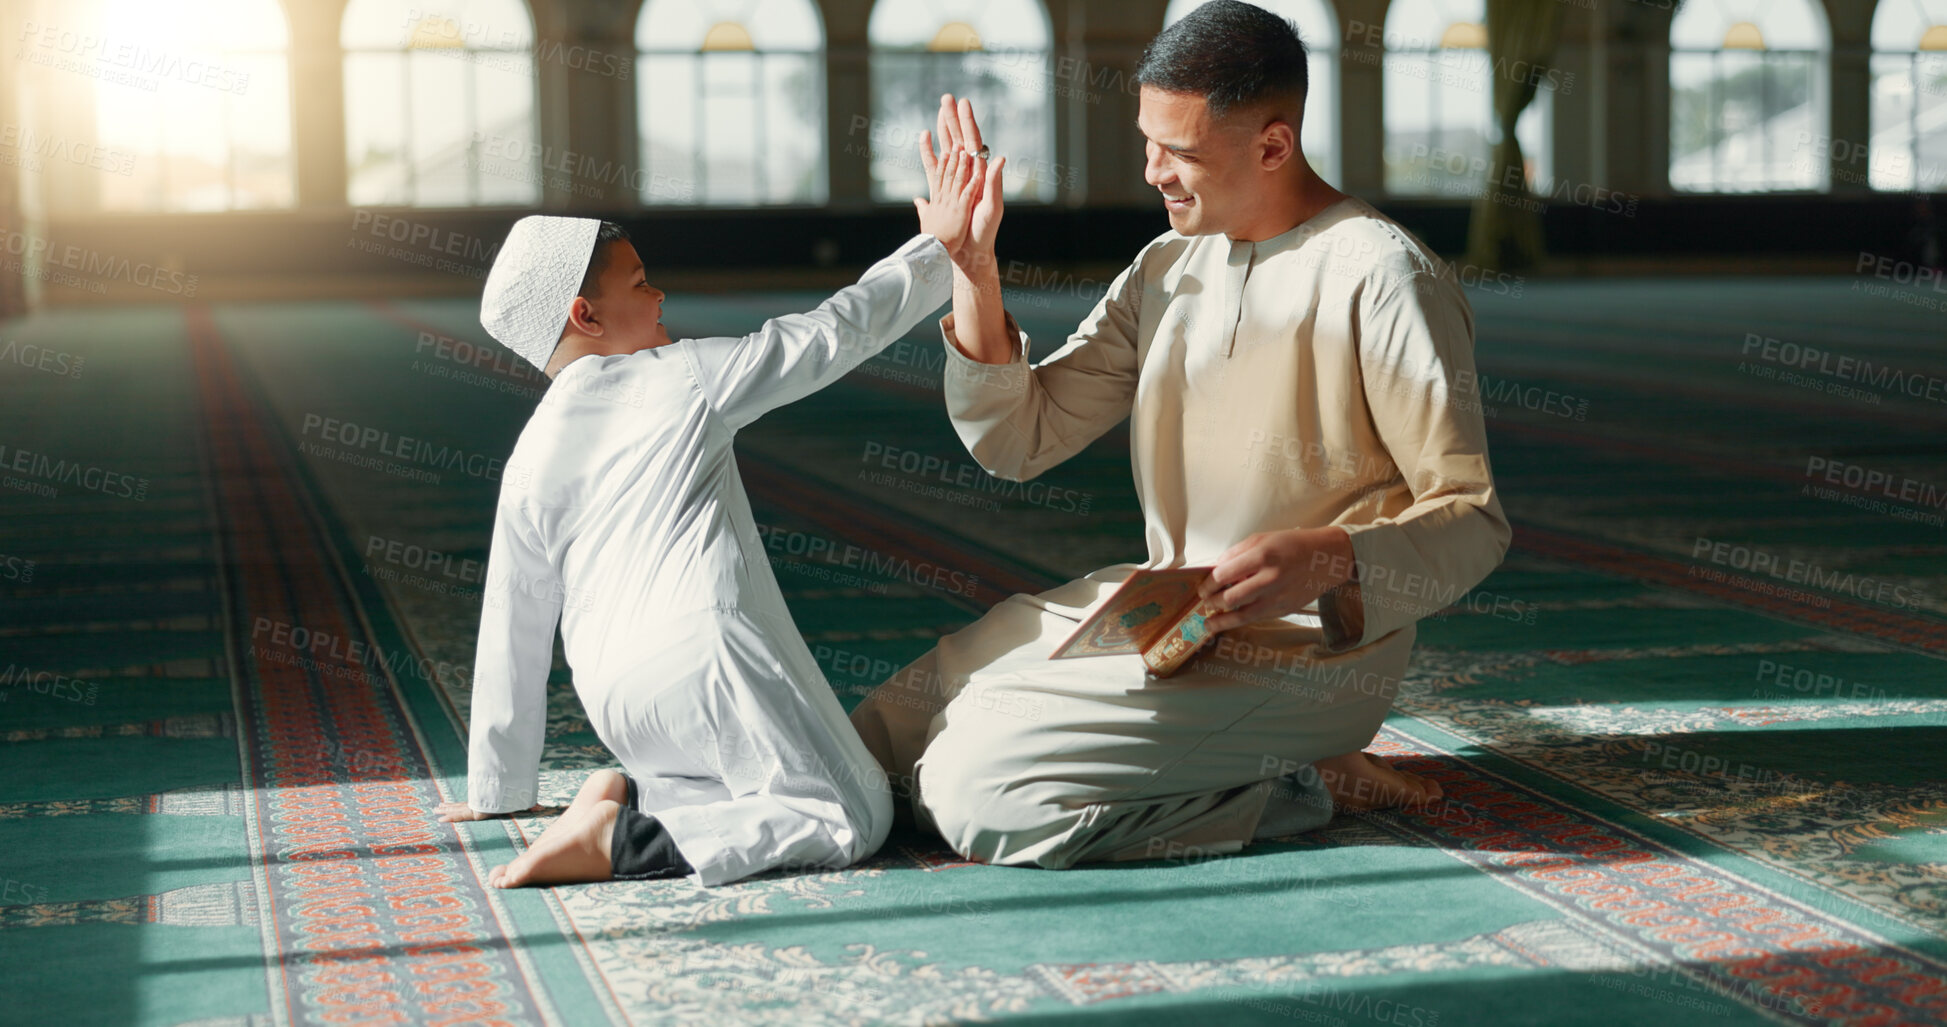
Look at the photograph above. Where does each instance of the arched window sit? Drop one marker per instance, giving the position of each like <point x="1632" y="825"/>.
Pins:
<point x="1747" y="88"/>
<point x="1439" y="102"/>
<point x="439" y="104"/>
<point x="1909" y="150"/>
<point x="1319" y="28"/>
<point x="202" y="108"/>
<point x="995" y="52"/>
<point x="730" y="101"/>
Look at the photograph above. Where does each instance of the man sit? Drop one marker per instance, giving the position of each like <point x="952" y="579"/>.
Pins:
<point x="622" y="515"/>
<point x="1295" y="369"/>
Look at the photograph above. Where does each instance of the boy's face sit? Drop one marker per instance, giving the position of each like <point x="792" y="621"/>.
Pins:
<point x="629" y="309"/>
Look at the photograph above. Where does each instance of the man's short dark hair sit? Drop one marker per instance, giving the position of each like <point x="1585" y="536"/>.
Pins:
<point x="598" y="261"/>
<point x="1230" y="53"/>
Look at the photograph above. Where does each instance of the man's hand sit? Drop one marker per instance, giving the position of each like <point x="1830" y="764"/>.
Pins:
<point x="455" y="812"/>
<point x="953" y="180"/>
<point x="979" y="324"/>
<point x="959" y="131"/>
<point x="1276" y="573"/>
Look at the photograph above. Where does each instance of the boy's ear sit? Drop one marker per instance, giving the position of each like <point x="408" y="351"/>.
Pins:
<point x="581" y="317"/>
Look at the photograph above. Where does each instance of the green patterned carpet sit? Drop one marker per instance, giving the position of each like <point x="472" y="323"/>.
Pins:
<point x="1691" y="733"/>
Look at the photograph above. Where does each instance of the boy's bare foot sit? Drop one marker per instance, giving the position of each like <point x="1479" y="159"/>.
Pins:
<point x="1362" y="781"/>
<point x="602" y="784"/>
<point x="575" y="848"/>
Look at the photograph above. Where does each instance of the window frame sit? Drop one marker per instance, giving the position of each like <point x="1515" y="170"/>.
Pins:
<point x="1818" y="60"/>
<point x="1058" y="191"/>
<point x="816" y="58"/>
<point x="157" y="155"/>
<point x="1908" y="60"/>
<point x="469" y="57"/>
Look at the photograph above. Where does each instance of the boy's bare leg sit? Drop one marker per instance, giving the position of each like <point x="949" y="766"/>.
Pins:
<point x="1362" y="781"/>
<point x="575" y="848"/>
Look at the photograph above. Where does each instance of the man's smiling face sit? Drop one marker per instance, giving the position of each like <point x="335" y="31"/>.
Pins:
<point x="1203" y="166"/>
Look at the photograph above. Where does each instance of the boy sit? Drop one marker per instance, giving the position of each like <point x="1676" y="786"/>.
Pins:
<point x="622" y="515"/>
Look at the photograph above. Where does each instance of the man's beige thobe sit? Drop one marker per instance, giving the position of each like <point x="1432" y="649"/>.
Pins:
<point x="1324" y="376"/>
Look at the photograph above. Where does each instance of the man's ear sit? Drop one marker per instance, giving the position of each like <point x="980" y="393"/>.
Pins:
<point x="581" y="317"/>
<point x="1276" y="145"/>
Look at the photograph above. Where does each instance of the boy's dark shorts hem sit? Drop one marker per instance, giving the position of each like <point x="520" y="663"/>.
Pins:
<point x="641" y="848"/>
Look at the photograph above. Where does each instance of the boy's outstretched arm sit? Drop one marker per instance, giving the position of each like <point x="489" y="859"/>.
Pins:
<point x="793" y="356"/>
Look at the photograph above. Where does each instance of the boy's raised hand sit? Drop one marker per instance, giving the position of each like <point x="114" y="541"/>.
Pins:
<point x="953" y="179"/>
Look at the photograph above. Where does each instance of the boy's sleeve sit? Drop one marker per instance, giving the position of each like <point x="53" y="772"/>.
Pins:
<point x="794" y="356"/>
<point x="520" y="606"/>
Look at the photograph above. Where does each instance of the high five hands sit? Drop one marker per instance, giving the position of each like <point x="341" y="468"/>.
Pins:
<point x="965" y="206"/>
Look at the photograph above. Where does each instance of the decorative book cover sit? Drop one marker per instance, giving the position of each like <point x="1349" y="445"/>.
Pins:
<point x="1155" y="613"/>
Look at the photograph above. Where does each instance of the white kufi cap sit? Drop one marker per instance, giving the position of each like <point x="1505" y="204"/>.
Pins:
<point x="534" y="280"/>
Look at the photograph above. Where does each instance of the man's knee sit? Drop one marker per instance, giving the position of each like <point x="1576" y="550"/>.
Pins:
<point x="956" y="801"/>
<point x="984" y="815"/>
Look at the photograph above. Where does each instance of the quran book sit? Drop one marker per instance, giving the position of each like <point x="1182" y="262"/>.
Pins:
<point x="1155" y="613"/>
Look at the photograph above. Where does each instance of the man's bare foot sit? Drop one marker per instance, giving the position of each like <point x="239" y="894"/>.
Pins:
<point x="1362" y="781"/>
<point x="575" y="848"/>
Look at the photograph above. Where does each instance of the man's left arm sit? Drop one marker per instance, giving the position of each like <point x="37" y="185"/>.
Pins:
<point x="1416" y="352"/>
<point x="1416" y="357"/>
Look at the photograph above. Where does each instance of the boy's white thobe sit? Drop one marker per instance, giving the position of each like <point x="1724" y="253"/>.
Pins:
<point x="1321" y="377"/>
<point x="622" y="515"/>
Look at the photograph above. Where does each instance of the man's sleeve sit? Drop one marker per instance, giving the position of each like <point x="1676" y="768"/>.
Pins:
<point x="520" y="606"/>
<point x="1017" y="421"/>
<point x="1416" y="358"/>
<point x="793" y="356"/>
